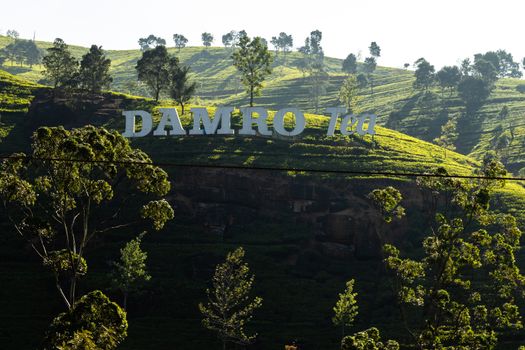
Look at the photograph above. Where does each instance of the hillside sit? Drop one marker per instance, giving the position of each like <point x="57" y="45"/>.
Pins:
<point x="305" y="234"/>
<point x="394" y="100"/>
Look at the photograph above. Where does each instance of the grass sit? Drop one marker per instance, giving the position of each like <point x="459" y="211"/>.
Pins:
<point x="298" y="283"/>
<point x="394" y="100"/>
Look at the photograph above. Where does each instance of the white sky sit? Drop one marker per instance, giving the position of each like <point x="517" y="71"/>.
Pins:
<point x="442" y="31"/>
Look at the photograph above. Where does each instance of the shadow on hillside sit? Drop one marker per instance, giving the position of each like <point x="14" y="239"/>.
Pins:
<point x="16" y="69"/>
<point x="421" y="115"/>
<point x="469" y="131"/>
<point x="397" y="117"/>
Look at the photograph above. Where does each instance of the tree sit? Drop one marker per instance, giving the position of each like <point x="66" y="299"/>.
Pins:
<point x="94" y="322"/>
<point x="207" y="39"/>
<point x="253" y="60"/>
<point x="60" y="65"/>
<point x="346" y="308"/>
<point x="94" y="71"/>
<point x="462" y="291"/>
<point x="229" y="308"/>
<point x="130" y="271"/>
<point x="448" y="77"/>
<point x="180" y="41"/>
<point x="180" y="89"/>
<point x="283" y="42"/>
<point x="153" y="69"/>
<point x="466" y="67"/>
<point x="33" y="54"/>
<point x="406" y="65"/>
<point x="151" y="42"/>
<point x="349" y="94"/>
<point x="369" y="339"/>
<point x="504" y="113"/>
<point x="473" y="91"/>
<point x="313" y="65"/>
<point x="23" y="51"/>
<point x="375" y="50"/>
<point x="227" y="39"/>
<point x="13" y="34"/>
<point x="449" y="134"/>
<point x="507" y="67"/>
<point x="369" y="67"/>
<point x="52" y="197"/>
<point x="387" y="202"/>
<point x="486" y="68"/>
<point x="350" y="64"/>
<point x="424" y="74"/>
<point x="362" y="81"/>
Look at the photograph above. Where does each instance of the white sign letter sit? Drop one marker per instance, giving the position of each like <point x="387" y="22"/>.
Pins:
<point x="335" y="111"/>
<point x="147" y="123"/>
<point x="247" y="121"/>
<point x="169" y="117"/>
<point x="278" y="122"/>
<point x="371" y="124"/>
<point x="348" y="121"/>
<point x="222" y="115"/>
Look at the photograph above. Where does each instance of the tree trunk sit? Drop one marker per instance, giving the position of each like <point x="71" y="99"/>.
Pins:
<point x="125" y="301"/>
<point x="251" y="96"/>
<point x="182" y="108"/>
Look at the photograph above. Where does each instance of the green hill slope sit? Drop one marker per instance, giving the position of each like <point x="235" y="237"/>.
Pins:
<point x="277" y="218"/>
<point x="397" y="104"/>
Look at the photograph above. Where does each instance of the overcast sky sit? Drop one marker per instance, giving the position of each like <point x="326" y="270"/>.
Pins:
<point x="442" y="31"/>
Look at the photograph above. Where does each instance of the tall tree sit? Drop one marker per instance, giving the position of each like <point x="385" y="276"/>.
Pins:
<point x="313" y="65"/>
<point x="207" y="39"/>
<point x="473" y="91"/>
<point x="350" y="64"/>
<point x="59" y="65"/>
<point x="52" y="199"/>
<point x="180" y="41"/>
<point x="486" y="67"/>
<point x="448" y="77"/>
<point x="94" y="70"/>
<point x="374" y="49"/>
<point x="466" y="67"/>
<point x="345" y="309"/>
<point x="449" y="134"/>
<point x="253" y="60"/>
<point x="462" y="291"/>
<point x="283" y="43"/>
<point x="181" y="89"/>
<point x="151" y="42"/>
<point x="94" y="322"/>
<point x="369" y="67"/>
<point x="153" y="69"/>
<point x="229" y="307"/>
<point x="424" y="74"/>
<point x="130" y="272"/>
<point x="33" y="54"/>
<point x="349" y="94"/>
<point x="227" y="39"/>
<point x="507" y="67"/>
<point x="13" y="34"/>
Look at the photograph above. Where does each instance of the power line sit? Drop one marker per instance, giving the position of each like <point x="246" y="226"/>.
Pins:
<point x="288" y="169"/>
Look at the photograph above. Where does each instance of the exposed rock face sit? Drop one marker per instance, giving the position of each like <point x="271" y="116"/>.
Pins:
<point x="344" y="222"/>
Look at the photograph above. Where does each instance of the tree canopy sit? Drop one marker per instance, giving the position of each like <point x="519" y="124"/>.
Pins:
<point x="153" y="68"/>
<point x="94" y="70"/>
<point x="72" y="177"/>
<point x="253" y="61"/>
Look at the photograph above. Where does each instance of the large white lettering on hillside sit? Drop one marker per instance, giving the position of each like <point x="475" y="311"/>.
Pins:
<point x="254" y="122"/>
